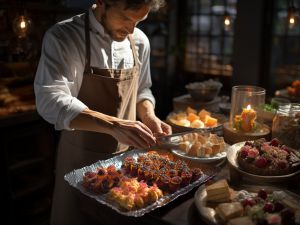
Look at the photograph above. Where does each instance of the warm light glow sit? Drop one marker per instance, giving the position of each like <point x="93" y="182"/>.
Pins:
<point x="227" y="21"/>
<point x="292" y="20"/>
<point x="23" y="25"/>
<point x="248" y="107"/>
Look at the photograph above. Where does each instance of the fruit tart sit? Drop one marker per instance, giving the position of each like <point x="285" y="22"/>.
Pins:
<point x="271" y="158"/>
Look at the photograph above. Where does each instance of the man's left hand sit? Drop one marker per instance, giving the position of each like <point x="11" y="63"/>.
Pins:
<point x="158" y="127"/>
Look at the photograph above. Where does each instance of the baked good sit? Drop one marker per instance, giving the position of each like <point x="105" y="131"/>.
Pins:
<point x="132" y="194"/>
<point x="174" y="184"/>
<point x="227" y="211"/>
<point x="245" y="220"/>
<point x="218" y="191"/>
<point x="268" y="158"/>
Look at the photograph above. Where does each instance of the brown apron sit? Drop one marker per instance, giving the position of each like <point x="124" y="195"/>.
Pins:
<point x="109" y="91"/>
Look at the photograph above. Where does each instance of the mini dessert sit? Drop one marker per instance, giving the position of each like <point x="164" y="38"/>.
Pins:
<point x="266" y="207"/>
<point x="173" y="173"/>
<point x="245" y="220"/>
<point x="163" y="182"/>
<point x="186" y="176"/>
<point x="218" y="191"/>
<point x="102" y="180"/>
<point x="202" y="144"/>
<point x="133" y="194"/>
<point x="268" y="158"/>
<point x="197" y="173"/>
<point x="174" y="184"/>
<point x="134" y="169"/>
<point x="227" y="211"/>
<point x="191" y="118"/>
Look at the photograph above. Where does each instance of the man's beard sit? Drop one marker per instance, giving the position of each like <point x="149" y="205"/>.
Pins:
<point x="111" y="33"/>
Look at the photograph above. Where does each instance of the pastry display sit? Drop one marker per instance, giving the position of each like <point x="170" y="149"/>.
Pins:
<point x="248" y="205"/>
<point x="202" y="144"/>
<point x="141" y="180"/>
<point x="194" y="119"/>
<point x="260" y="157"/>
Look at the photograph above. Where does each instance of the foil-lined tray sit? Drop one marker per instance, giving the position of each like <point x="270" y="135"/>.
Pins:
<point x="75" y="178"/>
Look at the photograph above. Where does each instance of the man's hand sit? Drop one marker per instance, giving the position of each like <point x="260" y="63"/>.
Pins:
<point x="133" y="133"/>
<point x="158" y="127"/>
<point x="146" y="113"/>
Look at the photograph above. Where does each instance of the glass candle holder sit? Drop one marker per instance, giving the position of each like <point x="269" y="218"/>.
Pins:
<point x="245" y="103"/>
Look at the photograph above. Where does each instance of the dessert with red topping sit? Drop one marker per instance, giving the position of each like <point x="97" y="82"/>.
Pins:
<point x="174" y="184"/>
<point x="268" y="158"/>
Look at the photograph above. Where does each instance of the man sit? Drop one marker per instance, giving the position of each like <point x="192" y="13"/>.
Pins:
<point x="92" y="79"/>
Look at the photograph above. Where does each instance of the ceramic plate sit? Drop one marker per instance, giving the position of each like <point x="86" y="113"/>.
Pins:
<point x="217" y="157"/>
<point x="232" y="159"/>
<point x="208" y="213"/>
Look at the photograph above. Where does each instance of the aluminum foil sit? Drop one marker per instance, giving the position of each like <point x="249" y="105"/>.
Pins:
<point x="75" y="178"/>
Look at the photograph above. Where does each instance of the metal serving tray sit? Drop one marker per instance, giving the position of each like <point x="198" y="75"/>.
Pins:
<point x="75" y="178"/>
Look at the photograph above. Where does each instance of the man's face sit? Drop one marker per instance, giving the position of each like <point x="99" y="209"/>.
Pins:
<point x="119" y="23"/>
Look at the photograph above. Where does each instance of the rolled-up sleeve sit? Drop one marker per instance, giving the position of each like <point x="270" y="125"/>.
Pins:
<point x="56" y="83"/>
<point x="145" y="83"/>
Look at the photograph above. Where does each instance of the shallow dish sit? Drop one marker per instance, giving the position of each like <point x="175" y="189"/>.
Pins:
<point x="217" y="129"/>
<point x="215" y="158"/>
<point x="208" y="213"/>
<point x="75" y="178"/>
<point x="232" y="159"/>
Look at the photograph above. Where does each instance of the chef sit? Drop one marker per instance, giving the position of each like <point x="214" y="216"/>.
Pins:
<point x="92" y="81"/>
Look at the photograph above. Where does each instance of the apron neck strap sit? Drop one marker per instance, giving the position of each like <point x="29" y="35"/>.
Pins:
<point x="87" y="43"/>
<point x="133" y="49"/>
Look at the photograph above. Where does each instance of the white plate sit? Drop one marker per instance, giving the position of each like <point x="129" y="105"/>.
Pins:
<point x="232" y="159"/>
<point x="217" y="157"/>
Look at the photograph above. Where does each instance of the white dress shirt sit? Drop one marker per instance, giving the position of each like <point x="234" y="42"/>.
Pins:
<point x="60" y="71"/>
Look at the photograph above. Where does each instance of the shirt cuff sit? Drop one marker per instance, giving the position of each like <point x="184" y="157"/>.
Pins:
<point x="68" y="113"/>
<point x="146" y="94"/>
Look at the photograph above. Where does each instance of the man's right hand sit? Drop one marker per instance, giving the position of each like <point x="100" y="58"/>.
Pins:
<point x="132" y="133"/>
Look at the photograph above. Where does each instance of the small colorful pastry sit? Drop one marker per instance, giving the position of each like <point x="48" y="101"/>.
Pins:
<point x="173" y="173"/>
<point x="163" y="182"/>
<point x="134" y="169"/>
<point x="186" y="176"/>
<point x="141" y="173"/>
<point x="174" y="184"/>
<point x="128" y="161"/>
<point x="197" y="173"/>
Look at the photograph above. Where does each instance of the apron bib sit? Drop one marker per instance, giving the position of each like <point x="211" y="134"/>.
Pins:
<point x="109" y="91"/>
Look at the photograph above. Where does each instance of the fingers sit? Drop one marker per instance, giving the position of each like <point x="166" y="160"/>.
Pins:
<point x="167" y="129"/>
<point x="135" y="133"/>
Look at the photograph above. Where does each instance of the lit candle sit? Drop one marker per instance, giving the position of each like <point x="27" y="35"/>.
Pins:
<point x="245" y="121"/>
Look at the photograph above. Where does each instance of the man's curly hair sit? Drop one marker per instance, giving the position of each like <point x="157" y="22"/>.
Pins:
<point x="135" y="4"/>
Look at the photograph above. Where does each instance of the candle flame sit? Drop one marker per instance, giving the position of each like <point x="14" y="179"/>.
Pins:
<point x="248" y="107"/>
<point x="292" y="20"/>
<point x="23" y="24"/>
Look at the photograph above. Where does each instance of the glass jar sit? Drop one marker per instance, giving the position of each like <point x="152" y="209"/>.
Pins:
<point x="245" y="102"/>
<point x="286" y="125"/>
